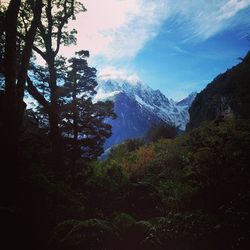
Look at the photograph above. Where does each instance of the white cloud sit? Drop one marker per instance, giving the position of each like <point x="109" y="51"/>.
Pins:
<point x="232" y="7"/>
<point x="119" y="29"/>
<point x="203" y="19"/>
<point x="111" y="73"/>
<point x="116" y="29"/>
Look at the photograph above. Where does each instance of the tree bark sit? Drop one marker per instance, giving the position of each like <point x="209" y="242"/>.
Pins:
<point x="9" y="135"/>
<point x="75" y="149"/>
<point x="22" y="76"/>
<point x="10" y="69"/>
<point x="55" y="131"/>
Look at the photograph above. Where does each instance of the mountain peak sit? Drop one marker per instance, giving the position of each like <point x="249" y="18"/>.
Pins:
<point x="188" y="100"/>
<point x="138" y="107"/>
<point x="152" y="101"/>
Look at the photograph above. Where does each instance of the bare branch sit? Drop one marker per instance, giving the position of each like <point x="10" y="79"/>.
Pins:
<point x="29" y="40"/>
<point x="33" y="91"/>
<point x="65" y="18"/>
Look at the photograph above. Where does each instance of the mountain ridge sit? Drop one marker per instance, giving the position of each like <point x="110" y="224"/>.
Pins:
<point x="138" y="107"/>
<point x="227" y="95"/>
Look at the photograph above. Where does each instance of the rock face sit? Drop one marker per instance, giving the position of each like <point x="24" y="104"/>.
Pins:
<point x="228" y="94"/>
<point x="138" y="107"/>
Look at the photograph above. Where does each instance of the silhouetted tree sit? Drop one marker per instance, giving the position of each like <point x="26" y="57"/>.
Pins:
<point x="52" y="33"/>
<point x="83" y="121"/>
<point x="14" y="65"/>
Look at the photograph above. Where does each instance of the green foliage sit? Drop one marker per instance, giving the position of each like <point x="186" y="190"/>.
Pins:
<point x="182" y="231"/>
<point x="210" y="159"/>
<point x="160" y="131"/>
<point x="124" y="222"/>
<point x="218" y="154"/>
<point x="61" y="230"/>
<point x="90" y="234"/>
<point x="133" y="144"/>
<point x="104" y="189"/>
<point x="110" y="172"/>
<point x="133" y="156"/>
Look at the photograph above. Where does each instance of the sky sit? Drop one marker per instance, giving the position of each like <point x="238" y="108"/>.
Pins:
<point x="176" y="46"/>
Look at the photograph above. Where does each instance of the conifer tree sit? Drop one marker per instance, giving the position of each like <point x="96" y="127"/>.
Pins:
<point x="84" y="121"/>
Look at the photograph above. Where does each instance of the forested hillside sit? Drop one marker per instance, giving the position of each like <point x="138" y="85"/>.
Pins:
<point x="187" y="192"/>
<point x="228" y="94"/>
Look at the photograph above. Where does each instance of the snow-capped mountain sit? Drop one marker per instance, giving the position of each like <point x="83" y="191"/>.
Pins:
<point x="138" y="106"/>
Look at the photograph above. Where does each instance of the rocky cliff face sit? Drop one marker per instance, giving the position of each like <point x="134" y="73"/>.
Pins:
<point x="227" y="95"/>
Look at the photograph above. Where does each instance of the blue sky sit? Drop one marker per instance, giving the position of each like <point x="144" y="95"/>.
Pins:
<point x="177" y="46"/>
<point x="178" y="68"/>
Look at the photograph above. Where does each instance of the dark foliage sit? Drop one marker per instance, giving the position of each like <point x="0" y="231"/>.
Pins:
<point x="161" y="131"/>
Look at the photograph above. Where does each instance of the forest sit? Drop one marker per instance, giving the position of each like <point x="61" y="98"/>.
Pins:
<point x="167" y="190"/>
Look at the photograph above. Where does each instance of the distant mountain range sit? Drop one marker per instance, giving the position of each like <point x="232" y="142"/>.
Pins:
<point x="138" y="107"/>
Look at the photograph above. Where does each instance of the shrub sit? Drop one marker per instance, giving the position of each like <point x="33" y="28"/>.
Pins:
<point x="124" y="222"/>
<point x="92" y="234"/>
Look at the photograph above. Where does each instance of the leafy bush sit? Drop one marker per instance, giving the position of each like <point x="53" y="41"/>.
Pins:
<point x="92" y="234"/>
<point x="139" y="162"/>
<point x="161" y="131"/>
<point x="124" y="222"/>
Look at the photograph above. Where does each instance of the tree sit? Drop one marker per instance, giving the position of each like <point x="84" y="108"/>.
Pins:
<point x="52" y="33"/>
<point x="14" y="66"/>
<point x="160" y="131"/>
<point x="83" y="121"/>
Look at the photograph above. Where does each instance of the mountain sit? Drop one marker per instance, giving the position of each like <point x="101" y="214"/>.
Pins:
<point x="227" y="95"/>
<point x="188" y="100"/>
<point x="138" y="107"/>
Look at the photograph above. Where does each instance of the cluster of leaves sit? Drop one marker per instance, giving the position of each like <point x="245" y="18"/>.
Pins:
<point x="160" y="131"/>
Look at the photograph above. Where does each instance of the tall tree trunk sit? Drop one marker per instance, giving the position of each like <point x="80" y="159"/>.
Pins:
<point x="9" y="131"/>
<point x="25" y="59"/>
<point x="54" y="116"/>
<point x="10" y="64"/>
<point x="75" y="148"/>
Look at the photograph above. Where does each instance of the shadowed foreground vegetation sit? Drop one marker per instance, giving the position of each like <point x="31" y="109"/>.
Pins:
<point x="191" y="192"/>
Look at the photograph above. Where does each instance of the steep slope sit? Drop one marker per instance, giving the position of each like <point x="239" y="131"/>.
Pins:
<point x="188" y="100"/>
<point x="138" y="107"/>
<point x="228" y="94"/>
